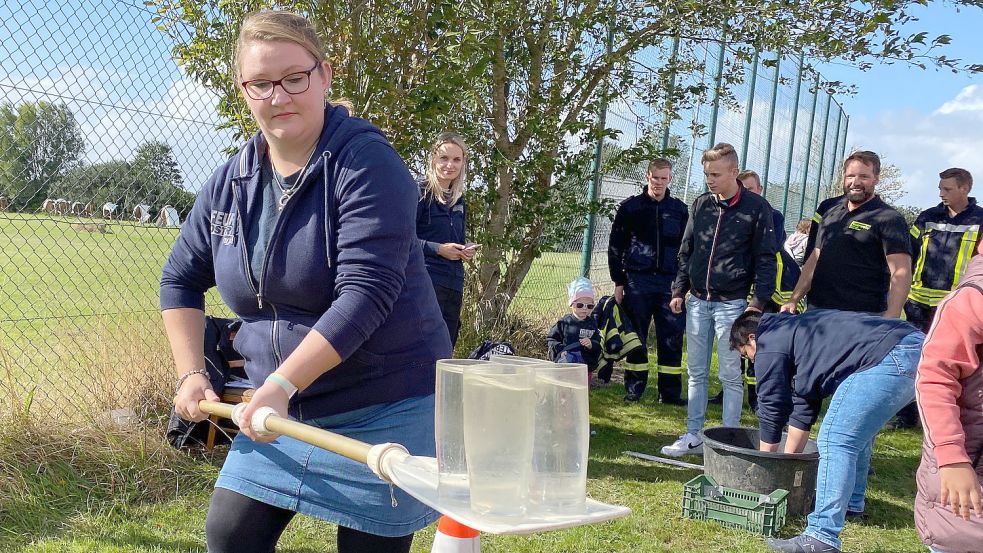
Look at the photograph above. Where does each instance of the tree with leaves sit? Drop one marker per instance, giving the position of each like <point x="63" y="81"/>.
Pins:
<point x="526" y="81"/>
<point x="39" y="144"/>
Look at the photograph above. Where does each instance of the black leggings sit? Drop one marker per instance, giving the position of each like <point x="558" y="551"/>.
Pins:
<point x="240" y="524"/>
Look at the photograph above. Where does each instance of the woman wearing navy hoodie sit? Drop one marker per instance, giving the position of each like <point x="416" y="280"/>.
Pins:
<point x="440" y="219"/>
<point x="308" y="233"/>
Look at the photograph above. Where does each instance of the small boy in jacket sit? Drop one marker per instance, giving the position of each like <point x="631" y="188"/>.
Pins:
<point x="575" y="337"/>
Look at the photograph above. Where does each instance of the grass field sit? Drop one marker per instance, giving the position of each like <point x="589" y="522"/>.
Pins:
<point x="137" y="509"/>
<point x="80" y="333"/>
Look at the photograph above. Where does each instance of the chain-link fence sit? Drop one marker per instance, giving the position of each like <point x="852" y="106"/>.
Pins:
<point x="103" y="143"/>
<point x="783" y="125"/>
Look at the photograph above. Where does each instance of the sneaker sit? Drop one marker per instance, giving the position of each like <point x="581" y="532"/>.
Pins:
<point x="856" y="516"/>
<point x="632" y="398"/>
<point x="801" y="544"/>
<point x="687" y="444"/>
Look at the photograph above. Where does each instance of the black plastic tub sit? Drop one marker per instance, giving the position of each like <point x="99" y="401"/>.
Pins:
<point x="731" y="457"/>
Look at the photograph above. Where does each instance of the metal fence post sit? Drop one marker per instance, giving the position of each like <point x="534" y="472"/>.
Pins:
<point x="587" y="246"/>
<point x="771" y="124"/>
<point x="822" y="152"/>
<point x="836" y="144"/>
<point x="812" y="121"/>
<point x="668" y="116"/>
<point x="791" y="140"/>
<point x="715" y="107"/>
<point x="749" y="109"/>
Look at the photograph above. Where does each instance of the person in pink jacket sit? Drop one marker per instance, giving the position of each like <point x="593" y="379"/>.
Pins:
<point x="949" y="388"/>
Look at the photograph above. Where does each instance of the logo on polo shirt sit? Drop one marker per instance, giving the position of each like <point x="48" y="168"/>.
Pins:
<point x="857" y="225"/>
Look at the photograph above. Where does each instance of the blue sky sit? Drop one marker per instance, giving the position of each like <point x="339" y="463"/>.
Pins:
<point x="923" y="121"/>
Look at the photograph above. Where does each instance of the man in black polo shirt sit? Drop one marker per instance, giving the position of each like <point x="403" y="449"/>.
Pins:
<point x="861" y="261"/>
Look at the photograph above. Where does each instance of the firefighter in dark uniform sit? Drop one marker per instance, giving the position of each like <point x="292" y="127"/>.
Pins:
<point x="642" y="259"/>
<point x="943" y="240"/>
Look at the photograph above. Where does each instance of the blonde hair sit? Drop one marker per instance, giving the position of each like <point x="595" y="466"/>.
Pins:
<point x="743" y="175"/>
<point x="804" y="226"/>
<point x="721" y="150"/>
<point x="276" y="26"/>
<point x="457" y="185"/>
<point x="280" y="26"/>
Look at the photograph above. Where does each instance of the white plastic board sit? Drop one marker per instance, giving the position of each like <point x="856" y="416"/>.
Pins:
<point x="417" y="476"/>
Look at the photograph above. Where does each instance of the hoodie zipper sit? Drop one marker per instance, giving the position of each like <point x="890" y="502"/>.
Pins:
<point x="658" y="236"/>
<point x="242" y="248"/>
<point x="713" y="246"/>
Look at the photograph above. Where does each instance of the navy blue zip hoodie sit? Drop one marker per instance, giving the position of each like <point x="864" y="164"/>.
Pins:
<point x="801" y="359"/>
<point x="437" y="224"/>
<point x="343" y="261"/>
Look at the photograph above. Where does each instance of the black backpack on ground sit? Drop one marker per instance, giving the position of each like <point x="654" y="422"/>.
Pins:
<point x="489" y="348"/>
<point x="218" y="354"/>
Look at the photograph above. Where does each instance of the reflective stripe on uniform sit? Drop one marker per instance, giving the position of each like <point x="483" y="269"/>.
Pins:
<point x="750" y="380"/>
<point x="663" y="369"/>
<point x="926" y="296"/>
<point x="637" y="367"/>
<point x="817" y="218"/>
<point x="966" y="249"/>
<point x="946" y="227"/>
<point x="915" y="232"/>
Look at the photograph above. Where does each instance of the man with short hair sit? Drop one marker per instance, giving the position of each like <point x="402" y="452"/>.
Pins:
<point x="867" y="264"/>
<point x="752" y="182"/>
<point x="729" y="244"/>
<point x="642" y="260"/>
<point x="943" y="240"/>
<point x="787" y="275"/>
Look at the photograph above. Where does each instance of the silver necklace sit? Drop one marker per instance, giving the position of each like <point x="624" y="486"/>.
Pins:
<point x="286" y="192"/>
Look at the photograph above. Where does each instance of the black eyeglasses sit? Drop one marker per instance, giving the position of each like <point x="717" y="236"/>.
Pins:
<point x="579" y="305"/>
<point x="294" y="83"/>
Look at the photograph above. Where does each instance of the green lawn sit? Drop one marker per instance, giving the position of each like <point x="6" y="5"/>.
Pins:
<point x="165" y="512"/>
<point x="79" y="331"/>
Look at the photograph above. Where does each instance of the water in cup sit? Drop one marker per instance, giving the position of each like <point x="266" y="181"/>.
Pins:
<point x="452" y="467"/>
<point x="498" y="432"/>
<point x="558" y="482"/>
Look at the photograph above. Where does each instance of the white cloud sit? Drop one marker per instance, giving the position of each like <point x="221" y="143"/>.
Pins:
<point x="969" y="99"/>
<point x="923" y="144"/>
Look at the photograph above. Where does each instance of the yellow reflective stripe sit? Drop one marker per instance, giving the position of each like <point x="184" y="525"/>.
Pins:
<point x="631" y="343"/>
<point x="751" y="380"/>
<point x="816" y="217"/>
<point x="966" y="248"/>
<point x="915" y="232"/>
<point x="920" y="266"/>
<point x="927" y="296"/>
<point x="779" y="296"/>
<point x="637" y="367"/>
<point x="669" y="370"/>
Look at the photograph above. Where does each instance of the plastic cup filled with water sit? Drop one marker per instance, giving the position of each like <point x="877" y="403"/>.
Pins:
<point x="516" y="360"/>
<point x="561" y="436"/>
<point x="498" y="437"/>
<point x="452" y="467"/>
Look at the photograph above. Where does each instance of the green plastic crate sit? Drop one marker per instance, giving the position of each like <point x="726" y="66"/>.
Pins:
<point x="761" y="514"/>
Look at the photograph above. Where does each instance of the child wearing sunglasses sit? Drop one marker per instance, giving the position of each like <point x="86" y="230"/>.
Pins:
<point x="575" y="337"/>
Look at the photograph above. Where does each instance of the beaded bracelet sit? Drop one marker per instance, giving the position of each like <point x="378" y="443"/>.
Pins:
<point x="185" y="376"/>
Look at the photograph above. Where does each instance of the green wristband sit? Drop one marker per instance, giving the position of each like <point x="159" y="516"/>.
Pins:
<point x="282" y="382"/>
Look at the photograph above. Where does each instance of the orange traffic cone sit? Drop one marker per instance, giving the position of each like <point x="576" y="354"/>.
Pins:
<point x="454" y="537"/>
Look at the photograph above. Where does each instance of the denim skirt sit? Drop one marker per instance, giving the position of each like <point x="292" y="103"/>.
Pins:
<point x="299" y="477"/>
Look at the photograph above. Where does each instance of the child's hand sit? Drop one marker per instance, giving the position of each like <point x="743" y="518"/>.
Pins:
<point x="961" y="489"/>
<point x="585" y="342"/>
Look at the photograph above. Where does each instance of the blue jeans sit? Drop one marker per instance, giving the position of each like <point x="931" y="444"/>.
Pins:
<point x="860" y="407"/>
<point x="704" y="321"/>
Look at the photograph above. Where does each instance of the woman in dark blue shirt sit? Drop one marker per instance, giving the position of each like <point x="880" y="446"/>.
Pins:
<point x="440" y="221"/>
